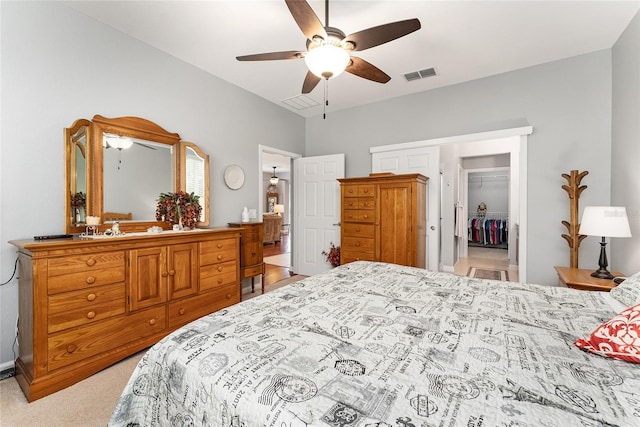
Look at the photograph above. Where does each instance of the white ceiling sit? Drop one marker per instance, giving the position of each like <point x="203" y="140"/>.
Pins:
<point x="462" y="40"/>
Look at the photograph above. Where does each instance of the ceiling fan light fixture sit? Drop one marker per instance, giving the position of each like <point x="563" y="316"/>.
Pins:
<point x="327" y="60"/>
<point x="118" y="142"/>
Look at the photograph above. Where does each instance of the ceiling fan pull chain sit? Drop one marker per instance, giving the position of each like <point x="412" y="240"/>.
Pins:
<point x="326" y="99"/>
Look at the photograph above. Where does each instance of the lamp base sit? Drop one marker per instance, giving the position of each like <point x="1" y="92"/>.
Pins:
<point x="602" y="274"/>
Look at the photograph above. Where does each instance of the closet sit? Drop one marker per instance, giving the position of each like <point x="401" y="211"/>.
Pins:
<point x="488" y="214"/>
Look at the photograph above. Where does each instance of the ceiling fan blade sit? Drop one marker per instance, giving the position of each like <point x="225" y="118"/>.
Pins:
<point x="361" y="68"/>
<point x="381" y="34"/>
<point x="270" y="56"/>
<point x="306" y="19"/>
<point x="310" y="82"/>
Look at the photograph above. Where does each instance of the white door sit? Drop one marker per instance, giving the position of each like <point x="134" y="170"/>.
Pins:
<point x="316" y="211"/>
<point x="426" y="161"/>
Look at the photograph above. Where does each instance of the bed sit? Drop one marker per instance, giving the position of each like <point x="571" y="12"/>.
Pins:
<point x="376" y="345"/>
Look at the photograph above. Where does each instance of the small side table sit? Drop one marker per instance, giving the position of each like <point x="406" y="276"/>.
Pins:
<point x="578" y="278"/>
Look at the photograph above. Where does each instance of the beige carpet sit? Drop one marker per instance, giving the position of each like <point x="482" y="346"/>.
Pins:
<point x="487" y="273"/>
<point x="281" y="260"/>
<point x="88" y="403"/>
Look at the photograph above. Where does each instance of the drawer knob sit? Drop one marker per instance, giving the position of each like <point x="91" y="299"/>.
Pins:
<point x="366" y="190"/>
<point x="91" y="262"/>
<point x="91" y="315"/>
<point x="91" y="297"/>
<point x="165" y="274"/>
<point x="153" y="322"/>
<point x="350" y="216"/>
<point x="219" y="281"/>
<point x="219" y="257"/>
<point x="219" y="268"/>
<point x="172" y="272"/>
<point x="91" y="280"/>
<point x="357" y="228"/>
<point x="71" y="348"/>
<point x="350" y="203"/>
<point x="358" y="244"/>
<point x="228" y="296"/>
<point x="181" y="312"/>
<point x="366" y="216"/>
<point x="219" y="245"/>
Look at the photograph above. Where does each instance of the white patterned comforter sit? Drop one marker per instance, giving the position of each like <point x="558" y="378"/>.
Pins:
<point x="373" y="344"/>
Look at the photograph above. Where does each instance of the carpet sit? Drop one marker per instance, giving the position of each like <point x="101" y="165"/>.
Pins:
<point x="488" y="273"/>
<point x="281" y="260"/>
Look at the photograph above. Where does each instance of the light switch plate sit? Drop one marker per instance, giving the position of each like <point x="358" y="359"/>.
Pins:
<point x="252" y="214"/>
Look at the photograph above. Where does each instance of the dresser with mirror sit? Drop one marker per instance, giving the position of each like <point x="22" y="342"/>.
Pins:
<point x="89" y="301"/>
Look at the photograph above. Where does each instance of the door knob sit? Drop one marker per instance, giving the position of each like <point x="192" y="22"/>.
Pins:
<point x="338" y="224"/>
<point x="433" y="227"/>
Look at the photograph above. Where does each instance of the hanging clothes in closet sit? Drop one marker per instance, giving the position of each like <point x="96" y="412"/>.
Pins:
<point x="488" y="231"/>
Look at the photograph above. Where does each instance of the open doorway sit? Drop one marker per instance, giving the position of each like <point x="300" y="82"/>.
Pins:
<point x="276" y="211"/>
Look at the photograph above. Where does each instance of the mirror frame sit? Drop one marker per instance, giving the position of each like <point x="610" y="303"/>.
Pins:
<point x="70" y="144"/>
<point x="134" y="127"/>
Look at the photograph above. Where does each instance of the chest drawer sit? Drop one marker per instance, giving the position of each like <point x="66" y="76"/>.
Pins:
<point x="355" y="215"/>
<point x="359" y="190"/>
<point x="77" y="308"/>
<point x="350" y="256"/>
<point x="358" y="230"/>
<point x="215" y="275"/>
<point x="218" y="251"/>
<point x="360" y="244"/>
<point x="192" y="308"/>
<point x="77" y="344"/>
<point x="85" y="263"/>
<point x="85" y="279"/>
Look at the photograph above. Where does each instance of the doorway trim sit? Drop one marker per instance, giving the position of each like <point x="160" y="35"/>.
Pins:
<point x="518" y="156"/>
<point x="261" y="191"/>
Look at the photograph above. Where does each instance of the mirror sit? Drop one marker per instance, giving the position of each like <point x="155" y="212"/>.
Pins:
<point x="77" y="174"/>
<point x="129" y="162"/>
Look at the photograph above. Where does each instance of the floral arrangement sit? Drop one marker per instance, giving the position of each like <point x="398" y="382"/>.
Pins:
<point x="333" y="256"/>
<point x="179" y="208"/>
<point x="79" y="200"/>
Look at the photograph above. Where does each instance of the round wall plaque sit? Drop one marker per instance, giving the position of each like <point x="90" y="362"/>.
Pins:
<point x="234" y="177"/>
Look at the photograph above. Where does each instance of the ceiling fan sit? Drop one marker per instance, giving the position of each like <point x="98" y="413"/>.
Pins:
<point x="328" y="48"/>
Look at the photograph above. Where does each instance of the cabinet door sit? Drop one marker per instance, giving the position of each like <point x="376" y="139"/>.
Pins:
<point x="182" y="269"/>
<point x="395" y="224"/>
<point x="148" y="277"/>
<point x="252" y="246"/>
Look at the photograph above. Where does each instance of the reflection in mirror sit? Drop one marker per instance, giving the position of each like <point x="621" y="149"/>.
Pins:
<point x="77" y="173"/>
<point x="135" y="172"/>
<point x="195" y="176"/>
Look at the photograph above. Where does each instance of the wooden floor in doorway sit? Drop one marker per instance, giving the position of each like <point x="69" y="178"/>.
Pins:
<point x="274" y="273"/>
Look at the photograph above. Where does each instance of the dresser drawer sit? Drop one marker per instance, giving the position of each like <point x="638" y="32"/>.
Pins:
<point x="350" y="256"/>
<point x="360" y="190"/>
<point x="355" y="215"/>
<point x="215" y="275"/>
<point x="252" y="271"/>
<point x="85" y="279"/>
<point x="360" y="244"/>
<point x="85" y="263"/>
<point x="358" y="230"/>
<point x="350" y="203"/>
<point x="66" y="348"/>
<point x="218" y="251"/>
<point x="366" y="203"/>
<point x="81" y="307"/>
<point x="192" y="308"/>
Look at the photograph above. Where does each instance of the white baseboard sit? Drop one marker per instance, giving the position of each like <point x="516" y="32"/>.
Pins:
<point x="7" y="365"/>
<point x="447" y="269"/>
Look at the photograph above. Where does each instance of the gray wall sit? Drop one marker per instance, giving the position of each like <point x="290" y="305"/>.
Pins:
<point x="58" y="66"/>
<point x="569" y="109"/>
<point x="625" y="153"/>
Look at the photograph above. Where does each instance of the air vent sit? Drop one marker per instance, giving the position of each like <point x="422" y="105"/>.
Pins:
<point x="300" y="102"/>
<point x="422" y="74"/>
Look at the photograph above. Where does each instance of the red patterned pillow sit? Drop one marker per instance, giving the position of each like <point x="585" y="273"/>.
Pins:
<point x="618" y="338"/>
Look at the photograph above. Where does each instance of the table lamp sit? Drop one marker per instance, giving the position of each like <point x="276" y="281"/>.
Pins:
<point x="604" y="221"/>
<point x="279" y="209"/>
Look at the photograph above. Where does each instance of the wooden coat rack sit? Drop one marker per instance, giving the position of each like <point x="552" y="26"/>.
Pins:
<point x="574" y="189"/>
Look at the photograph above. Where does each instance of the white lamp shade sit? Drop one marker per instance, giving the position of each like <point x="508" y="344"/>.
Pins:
<point x="605" y="221"/>
<point x="278" y="209"/>
<point x="327" y="61"/>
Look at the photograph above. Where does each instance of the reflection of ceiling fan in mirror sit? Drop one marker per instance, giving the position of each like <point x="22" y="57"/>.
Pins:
<point x="329" y="50"/>
<point x="121" y="142"/>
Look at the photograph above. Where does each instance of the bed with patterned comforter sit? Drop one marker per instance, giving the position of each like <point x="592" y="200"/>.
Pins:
<point x="373" y="344"/>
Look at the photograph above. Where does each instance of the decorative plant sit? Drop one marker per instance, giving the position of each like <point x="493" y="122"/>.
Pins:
<point x="179" y="208"/>
<point x="79" y="200"/>
<point x="333" y="256"/>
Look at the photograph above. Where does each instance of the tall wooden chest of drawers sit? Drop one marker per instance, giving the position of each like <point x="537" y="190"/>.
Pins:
<point x="86" y="304"/>
<point x="251" y="250"/>
<point x="384" y="219"/>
